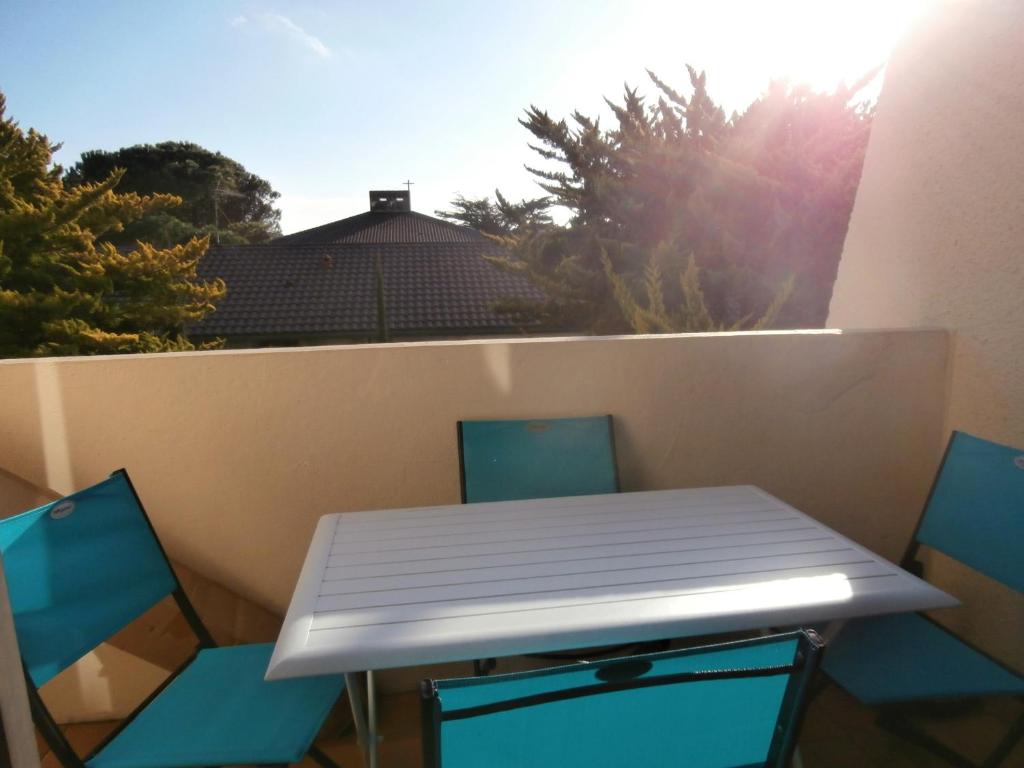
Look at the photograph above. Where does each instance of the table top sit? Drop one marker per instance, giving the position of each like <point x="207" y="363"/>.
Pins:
<point x="400" y="587"/>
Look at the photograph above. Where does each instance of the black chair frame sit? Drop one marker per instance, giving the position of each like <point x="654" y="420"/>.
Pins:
<point x="50" y="730"/>
<point x="784" y="741"/>
<point x="896" y="717"/>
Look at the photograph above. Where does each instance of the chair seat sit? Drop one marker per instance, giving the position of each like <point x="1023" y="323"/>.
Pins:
<point x="220" y="711"/>
<point x="906" y="657"/>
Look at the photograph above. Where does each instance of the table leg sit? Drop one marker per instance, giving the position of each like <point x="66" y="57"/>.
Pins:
<point x="371" y="706"/>
<point x="831" y="630"/>
<point x="355" y="697"/>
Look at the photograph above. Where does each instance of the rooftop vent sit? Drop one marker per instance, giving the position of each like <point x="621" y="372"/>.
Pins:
<point x="388" y="200"/>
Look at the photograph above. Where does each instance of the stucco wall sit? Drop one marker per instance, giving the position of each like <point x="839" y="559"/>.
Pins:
<point x="937" y="236"/>
<point x="237" y="453"/>
<point x="937" y="232"/>
<point x="18" y="743"/>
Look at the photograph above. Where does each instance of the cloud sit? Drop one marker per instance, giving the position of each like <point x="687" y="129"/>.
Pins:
<point x="238" y="21"/>
<point x="312" y="42"/>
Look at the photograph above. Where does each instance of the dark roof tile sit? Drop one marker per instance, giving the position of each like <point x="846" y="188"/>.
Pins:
<point x="285" y="288"/>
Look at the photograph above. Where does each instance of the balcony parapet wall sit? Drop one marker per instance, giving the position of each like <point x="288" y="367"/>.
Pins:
<point x="237" y="453"/>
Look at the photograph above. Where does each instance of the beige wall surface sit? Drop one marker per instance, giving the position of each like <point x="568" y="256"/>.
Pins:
<point x="18" y="740"/>
<point x="18" y="495"/>
<point x="236" y="454"/>
<point x="937" y="238"/>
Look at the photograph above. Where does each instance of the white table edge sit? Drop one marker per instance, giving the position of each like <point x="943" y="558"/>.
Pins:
<point x="292" y="658"/>
<point x="297" y="620"/>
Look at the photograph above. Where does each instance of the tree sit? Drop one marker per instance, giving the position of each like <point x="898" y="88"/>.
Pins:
<point x="220" y="198"/>
<point x="62" y="290"/>
<point x="692" y="314"/>
<point x="811" y="147"/>
<point x="502" y="218"/>
<point x="749" y="211"/>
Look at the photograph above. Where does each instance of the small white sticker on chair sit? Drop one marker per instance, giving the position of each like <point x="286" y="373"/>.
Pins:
<point x="62" y="510"/>
<point x="1019" y="461"/>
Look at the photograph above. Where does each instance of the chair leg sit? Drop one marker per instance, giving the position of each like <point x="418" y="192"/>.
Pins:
<point x="317" y="754"/>
<point x="819" y="685"/>
<point x="1006" y="746"/>
<point x="900" y="726"/>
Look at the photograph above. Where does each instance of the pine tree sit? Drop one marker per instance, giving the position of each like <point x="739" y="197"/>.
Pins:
<point x="61" y="291"/>
<point x="219" y="197"/>
<point x="750" y="211"/>
<point x="692" y="315"/>
<point x="502" y="218"/>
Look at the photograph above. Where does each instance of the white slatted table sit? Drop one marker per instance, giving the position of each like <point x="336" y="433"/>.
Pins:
<point x="418" y="586"/>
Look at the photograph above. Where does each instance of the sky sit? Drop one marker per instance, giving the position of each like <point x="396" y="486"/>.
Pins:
<point x="327" y="100"/>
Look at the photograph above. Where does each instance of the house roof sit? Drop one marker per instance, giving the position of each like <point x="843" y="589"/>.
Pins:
<point x="416" y="274"/>
<point x="380" y="227"/>
<point x="331" y="289"/>
<point x="294" y="289"/>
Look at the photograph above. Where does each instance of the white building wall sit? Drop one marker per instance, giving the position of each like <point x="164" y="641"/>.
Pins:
<point x="936" y="238"/>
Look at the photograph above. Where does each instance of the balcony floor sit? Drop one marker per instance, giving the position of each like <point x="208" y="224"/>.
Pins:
<point x="838" y="733"/>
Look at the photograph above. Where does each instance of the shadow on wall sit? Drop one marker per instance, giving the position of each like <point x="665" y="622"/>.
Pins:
<point x="53" y="431"/>
<point x="21" y="450"/>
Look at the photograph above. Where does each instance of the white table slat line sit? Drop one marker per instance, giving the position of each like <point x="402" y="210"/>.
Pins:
<point x="356" y="573"/>
<point x="653" y="569"/>
<point x="541" y="521"/>
<point x="399" y="587"/>
<point x="619" y="531"/>
<point x="543" y="533"/>
<point x="503" y="514"/>
<point x="495" y="547"/>
<point x="666" y="584"/>
<point x="525" y="507"/>
<point x="596" y="603"/>
<point x="332" y="585"/>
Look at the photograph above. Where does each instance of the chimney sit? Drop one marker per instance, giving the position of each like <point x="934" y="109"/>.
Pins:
<point x="389" y="200"/>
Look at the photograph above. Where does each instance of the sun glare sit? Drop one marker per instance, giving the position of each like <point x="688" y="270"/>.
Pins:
<point x="824" y="43"/>
<point x="744" y="44"/>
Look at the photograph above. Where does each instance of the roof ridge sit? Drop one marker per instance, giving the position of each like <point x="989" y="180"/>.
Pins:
<point x="389" y="225"/>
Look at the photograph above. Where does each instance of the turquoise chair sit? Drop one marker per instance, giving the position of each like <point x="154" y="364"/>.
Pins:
<point x="721" y="706"/>
<point x="80" y="569"/>
<point x="536" y="458"/>
<point x="974" y="514"/>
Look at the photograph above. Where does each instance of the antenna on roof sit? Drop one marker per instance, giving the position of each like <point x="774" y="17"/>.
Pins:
<point x="408" y="185"/>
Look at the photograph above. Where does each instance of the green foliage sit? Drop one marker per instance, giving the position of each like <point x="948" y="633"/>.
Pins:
<point x="220" y="198"/>
<point x="692" y="314"/>
<point x="502" y="218"/>
<point x="61" y="291"/>
<point x="749" y="210"/>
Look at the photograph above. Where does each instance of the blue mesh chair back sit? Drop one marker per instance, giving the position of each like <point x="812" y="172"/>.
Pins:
<point x="725" y="706"/>
<point x="975" y="512"/>
<point x="82" y="568"/>
<point x="78" y="570"/>
<point x="534" y="459"/>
